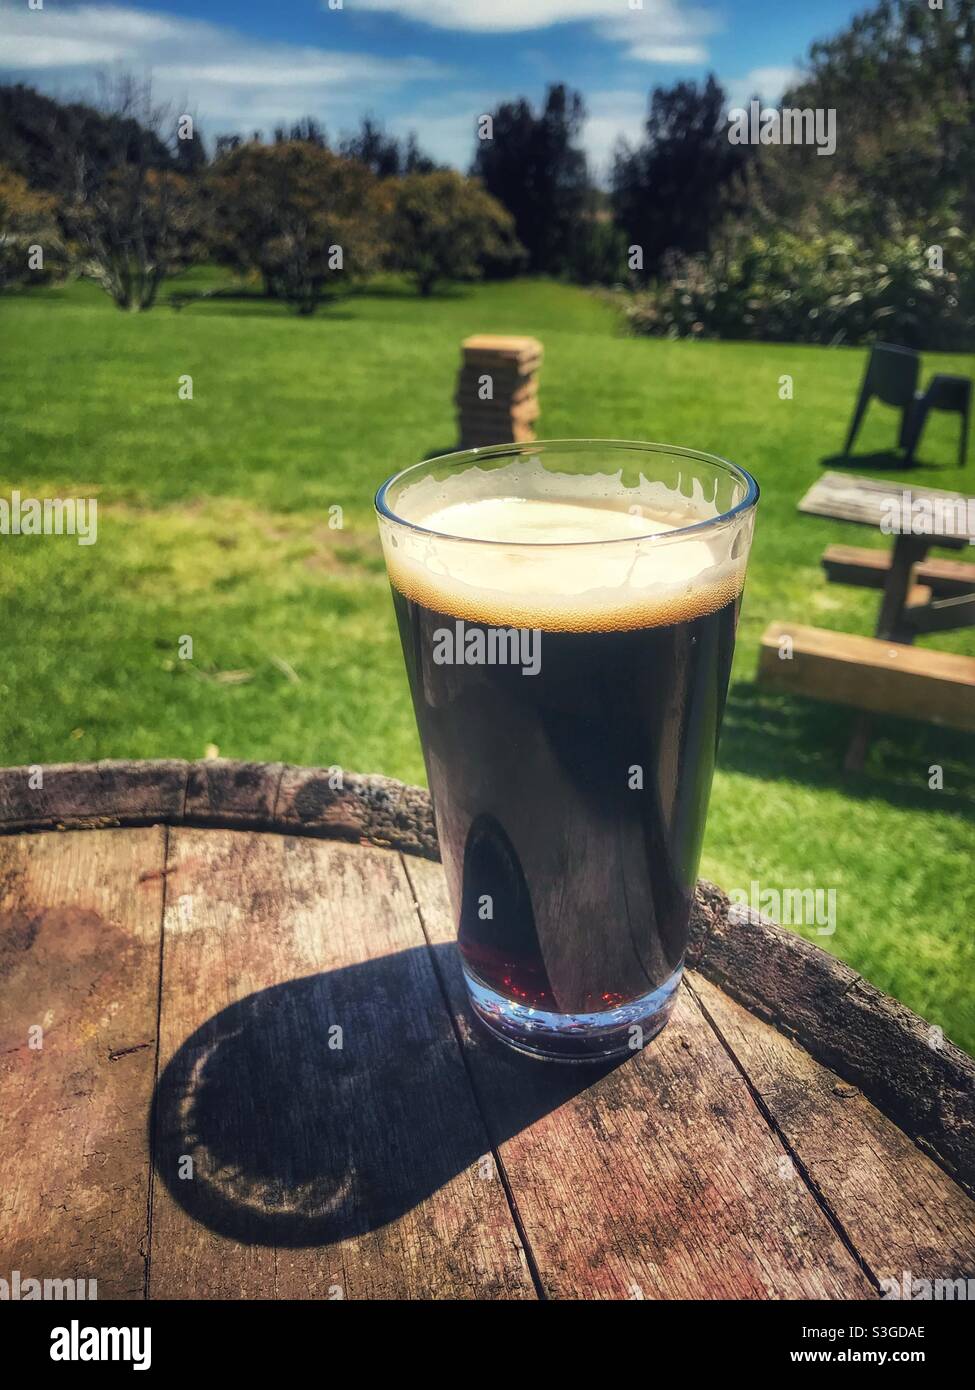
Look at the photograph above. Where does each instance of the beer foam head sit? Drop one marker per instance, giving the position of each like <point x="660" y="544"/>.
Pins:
<point x="523" y="546"/>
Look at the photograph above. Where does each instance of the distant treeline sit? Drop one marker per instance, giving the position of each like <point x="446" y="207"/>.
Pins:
<point x="703" y="236"/>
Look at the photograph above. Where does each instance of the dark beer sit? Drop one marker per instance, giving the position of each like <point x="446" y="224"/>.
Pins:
<point x="572" y="803"/>
<point x="569" y="700"/>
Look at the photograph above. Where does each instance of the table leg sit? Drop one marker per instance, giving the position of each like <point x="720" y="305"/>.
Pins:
<point x="908" y="550"/>
<point x="856" y="749"/>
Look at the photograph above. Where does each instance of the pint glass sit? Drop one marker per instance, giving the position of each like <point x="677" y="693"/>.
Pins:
<point x="567" y="611"/>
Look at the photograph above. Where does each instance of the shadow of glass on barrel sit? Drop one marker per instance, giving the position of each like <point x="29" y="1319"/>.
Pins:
<point x="567" y="611"/>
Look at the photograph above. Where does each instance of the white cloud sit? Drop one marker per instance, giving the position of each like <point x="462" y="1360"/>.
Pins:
<point x="766" y="83"/>
<point x="505" y="16"/>
<point x="656" y="31"/>
<point x="669" y="53"/>
<point x="231" y="80"/>
<point x="235" y="82"/>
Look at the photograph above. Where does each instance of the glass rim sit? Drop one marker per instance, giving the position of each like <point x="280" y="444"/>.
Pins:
<point x="747" y="503"/>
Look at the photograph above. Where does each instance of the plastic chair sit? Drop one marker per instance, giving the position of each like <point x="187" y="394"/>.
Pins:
<point x="942" y="393"/>
<point x="891" y="376"/>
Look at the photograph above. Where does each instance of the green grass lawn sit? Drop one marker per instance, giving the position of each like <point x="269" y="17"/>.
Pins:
<point x="213" y="523"/>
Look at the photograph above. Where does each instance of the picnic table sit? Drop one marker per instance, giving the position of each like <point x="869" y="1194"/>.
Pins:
<point x="236" y="1060"/>
<point x="866" y="502"/>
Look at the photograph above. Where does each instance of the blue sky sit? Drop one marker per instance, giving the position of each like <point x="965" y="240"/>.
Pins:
<point x="427" y="65"/>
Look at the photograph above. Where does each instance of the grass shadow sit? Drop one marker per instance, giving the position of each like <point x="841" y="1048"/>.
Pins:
<point x="451" y="448"/>
<point x="440" y="293"/>
<point x="882" y="459"/>
<point x="777" y="737"/>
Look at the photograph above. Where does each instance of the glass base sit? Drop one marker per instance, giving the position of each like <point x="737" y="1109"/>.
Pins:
<point x="575" y="1037"/>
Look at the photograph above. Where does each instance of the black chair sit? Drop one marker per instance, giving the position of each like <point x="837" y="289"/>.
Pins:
<point x="942" y="393"/>
<point x="891" y="376"/>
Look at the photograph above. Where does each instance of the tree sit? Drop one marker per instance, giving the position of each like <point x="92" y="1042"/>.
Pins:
<point x="443" y="226"/>
<point x="901" y="78"/>
<point x="386" y="156"/>
<point x="43" y="140"/>
<point x="131" y="219"/>
<point x="670" y="191"/>
<point x="306" y="129"/>
<point x="536" y="168"/>
<point x="30" y="243"/>
<point x="131" y="229"/>
<point x="297" y="215"/>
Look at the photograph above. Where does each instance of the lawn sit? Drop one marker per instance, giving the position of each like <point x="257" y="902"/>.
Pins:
<point x="213" y="523"/>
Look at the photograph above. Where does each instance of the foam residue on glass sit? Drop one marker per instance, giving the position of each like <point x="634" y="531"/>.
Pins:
<point x="525" y="546"/>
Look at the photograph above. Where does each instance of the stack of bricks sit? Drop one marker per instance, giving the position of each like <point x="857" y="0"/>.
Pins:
<point x="497" y="393"/>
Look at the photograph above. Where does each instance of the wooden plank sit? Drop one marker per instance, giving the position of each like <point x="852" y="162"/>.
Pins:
<point x="657" y="1178"/>
<point x="505" y="347"/>
<point x="858" y="1032"/>
<point x="224" y="792"/>
<point x="91" y="795"/>
<point x="373" y="810"/>
<point x="355" y="1171"/>
<point x="855" y="564"/>
<point x="911" y="1072"/>
<point x="946" y="578"/>
<point x="80" y="920"/>
<point x="869" y="674"/>
<point x="330" y="802"/>
<point x="918" y="596"/>
<point x="469" y="389"/>
<point x="865" y="501"/>
<point x="899" y="1209"/>
<point x="946" y="615"/>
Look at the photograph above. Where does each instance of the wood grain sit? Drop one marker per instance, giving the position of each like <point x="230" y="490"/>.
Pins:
<point x="853" y="1029"/>
<point x="853" y="564"/>
<point x="723" y="1161"/>
<point x="864" y="501"/>
<point x="658" y="1178"/>
<point x="898" y="1208"/>
<point x="80" y="918"/>
<point x="882" y="677"/>
<point x="359" y="1171"/>
<point x="911" y="1072"/>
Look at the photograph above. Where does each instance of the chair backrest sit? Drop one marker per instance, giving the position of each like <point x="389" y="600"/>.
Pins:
<point x="948" y="392"/>
<point x="892" y="373"/>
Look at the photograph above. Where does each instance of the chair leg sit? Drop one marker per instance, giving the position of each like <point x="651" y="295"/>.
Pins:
<point x="857" y="421"/>
<point x="963" y="445"/>
<point x="915" y="416"/>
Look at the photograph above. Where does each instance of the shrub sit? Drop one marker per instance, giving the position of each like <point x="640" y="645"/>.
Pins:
<point x="599" y="254"/>
<point x="779" y="285"/>
<point x="27" y="224"/>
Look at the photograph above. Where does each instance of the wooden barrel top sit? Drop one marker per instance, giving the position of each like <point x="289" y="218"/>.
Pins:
<point x="236" y="1061"/>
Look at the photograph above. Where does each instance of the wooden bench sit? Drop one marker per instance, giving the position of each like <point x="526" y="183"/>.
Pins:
<point x="856" y="564"/>
<point x="869" y="674"/>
